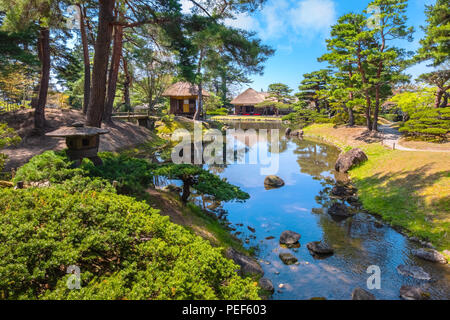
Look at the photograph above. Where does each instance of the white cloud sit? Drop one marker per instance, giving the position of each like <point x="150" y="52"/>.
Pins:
<point x="274" y="19"/>
<point x="281" y="18"/>
<point x="312" y="17"/>
<point x="243" y="21"/>
<point x="186" y="6"/>
<point x="295" y="19"/>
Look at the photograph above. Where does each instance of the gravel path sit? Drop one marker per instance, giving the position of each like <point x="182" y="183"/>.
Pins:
<point x="391" y="137"/>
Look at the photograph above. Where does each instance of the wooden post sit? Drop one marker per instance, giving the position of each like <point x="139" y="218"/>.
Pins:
<point x="393" y="146"/>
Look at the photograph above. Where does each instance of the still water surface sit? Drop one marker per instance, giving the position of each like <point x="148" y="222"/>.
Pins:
<point x="359" y="242"/>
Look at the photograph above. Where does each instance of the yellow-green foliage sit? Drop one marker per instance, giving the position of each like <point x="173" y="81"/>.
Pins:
<point x="409" y="189"/>
<point x="7" y="137"/>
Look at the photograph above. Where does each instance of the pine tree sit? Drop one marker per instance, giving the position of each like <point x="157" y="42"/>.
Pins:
<point x="390" y="25"/>
<point x="435" y="47"/>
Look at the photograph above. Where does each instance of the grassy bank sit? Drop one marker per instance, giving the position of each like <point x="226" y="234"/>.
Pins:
<point x="410" y="190"/>
<point x="246" y="118"/>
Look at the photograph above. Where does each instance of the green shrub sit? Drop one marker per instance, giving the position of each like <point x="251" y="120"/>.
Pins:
<point x="49" y="166"/>
<point x="392" y="117"/>
<point x="8" y="137"/>
<point x="431" y="122"/>
<point x="218" y="112"/>
<point x="125" y="250"/>
<point x="133" y="175"/>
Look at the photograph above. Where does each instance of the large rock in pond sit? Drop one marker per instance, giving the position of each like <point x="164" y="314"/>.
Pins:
<point x="413" y="293"/>
<point x="288" y="258"/>
<point x="248" y="265"/>
<point x="319" y="247"/>
<point x="343" y="191"/>
<point x="339" y="209"/>
<point x="289" y="238"/>
<point x="266" y="285"/>
<point x="415" y="272"/>
<point x="430" y="255"/>
<point x="272" y="182"/>
<point x="361" y="294"/>
<point x="348" y="160"/>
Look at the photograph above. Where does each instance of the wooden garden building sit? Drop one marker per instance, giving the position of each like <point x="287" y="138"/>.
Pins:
<point x="245" y="103"/>
<point x="183" y="98"/>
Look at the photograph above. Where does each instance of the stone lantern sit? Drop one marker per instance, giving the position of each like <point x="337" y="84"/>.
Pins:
<point x="82" y="142"/>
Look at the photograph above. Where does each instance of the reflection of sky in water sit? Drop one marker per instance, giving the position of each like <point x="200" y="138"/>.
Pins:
<point x="358" y="242"/>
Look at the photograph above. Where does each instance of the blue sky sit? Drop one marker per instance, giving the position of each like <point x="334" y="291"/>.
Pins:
<point x="297" y="31"/>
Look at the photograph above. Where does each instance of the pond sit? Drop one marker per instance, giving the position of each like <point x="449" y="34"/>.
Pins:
<point x="307" y="167"/>
<point x="359" y="242"/>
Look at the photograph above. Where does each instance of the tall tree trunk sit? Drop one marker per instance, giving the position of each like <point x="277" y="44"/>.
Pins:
<point x="86" y="59"/>
<point x="438" y="99"/>
<point x="445" y="100"/>
<point x="100" y="67"/>
<point x="351" y="117"/>
<point x="200" y="87"/>
<point x="378" y="86"/>
<point x="376" y="109"/>
<point x="366" y="91"/>
<point x="113" y="72"/>
<point x="126" y="84"/>
<point x="44" y="57"/>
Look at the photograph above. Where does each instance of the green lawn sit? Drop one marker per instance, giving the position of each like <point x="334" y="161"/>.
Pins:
<point x="408" y="189"/>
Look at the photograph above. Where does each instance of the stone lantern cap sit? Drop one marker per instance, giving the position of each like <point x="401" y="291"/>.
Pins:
<point x="77" y="130"/>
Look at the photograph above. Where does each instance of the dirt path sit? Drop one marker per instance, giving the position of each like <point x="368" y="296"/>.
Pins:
<point x="391" y="138"/>
<point x="121" y="134"/>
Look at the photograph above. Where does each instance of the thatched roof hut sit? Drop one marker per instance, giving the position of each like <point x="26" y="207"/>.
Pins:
<point x="183" y="89"/>
<point x="250" y="97"/>
<point x="183" y="98"/>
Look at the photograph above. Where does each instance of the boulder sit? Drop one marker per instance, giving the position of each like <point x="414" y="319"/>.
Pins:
<point x="266" y="285"/>
<point x="288" y="131"/>
<point x="319" y="247"/>
<point x="361" y="294"/>
<point x="289" y="238"/>
<point x="297" y="133"/>
<point x="273" y="182"/>
<point x="339" y="209"/>
<point x="413" y="293"/>
<point x="414" y="272"/>
<point x="430" y="255"/>
<point x="348" y="160"/>
<point x="288" y="258"/>
<point x="248" y="265"/>
<point x="343" y="191"/>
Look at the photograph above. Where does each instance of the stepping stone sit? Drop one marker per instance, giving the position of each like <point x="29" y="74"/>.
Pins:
<point x="430" y="255"/>
<point x="266" y="285"/>
<point x="413" y="293"/>
<point x="361" y="294"/>
<point x="319" y="247"/>
<point x="414" y="272"/>
<point x="289" y="238"/>
<point x="287" y="258"/>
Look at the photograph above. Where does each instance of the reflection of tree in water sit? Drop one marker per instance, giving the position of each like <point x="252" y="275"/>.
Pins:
<point x="355" y="241"/>
<point x="282" y="144"/>
<point x="315" y="158"/>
